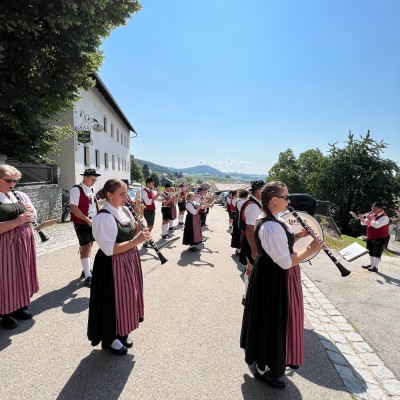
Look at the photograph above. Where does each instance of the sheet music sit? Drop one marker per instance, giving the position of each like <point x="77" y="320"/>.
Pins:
<point x="353" y="251"/>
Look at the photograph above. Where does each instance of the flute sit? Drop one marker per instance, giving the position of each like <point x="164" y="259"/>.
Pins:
<point x="344" y="271"/>
<point x="42" y="235"/>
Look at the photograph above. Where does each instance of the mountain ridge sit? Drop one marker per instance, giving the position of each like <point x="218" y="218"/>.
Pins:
<point x="197" y="170"/>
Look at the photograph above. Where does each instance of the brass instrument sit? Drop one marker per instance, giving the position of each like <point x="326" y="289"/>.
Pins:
<point x="139" y="206"/>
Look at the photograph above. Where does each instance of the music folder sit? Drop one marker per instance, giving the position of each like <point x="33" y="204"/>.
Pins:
<point x="353" y="251"/>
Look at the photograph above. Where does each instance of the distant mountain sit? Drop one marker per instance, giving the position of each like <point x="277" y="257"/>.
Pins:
<point x="200" y="170"/>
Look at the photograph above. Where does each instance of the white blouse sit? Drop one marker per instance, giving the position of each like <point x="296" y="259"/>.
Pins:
<point x="105" y="229"/>
<point x="275" y="242"/>
<point x="190" y="207"/>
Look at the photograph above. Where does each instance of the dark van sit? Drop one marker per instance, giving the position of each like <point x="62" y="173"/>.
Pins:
<point x="303" y="202"/>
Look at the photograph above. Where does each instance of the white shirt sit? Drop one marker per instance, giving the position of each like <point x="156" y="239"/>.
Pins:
<point x="89" y="192"/>
<point x="145" y="196"/>
<point x="377" y="224"/>
<point x="252" y="212"/>
<point x="190" y="207"/>
<point x="105" y="229"/>
<point x="25" y="199"/>
<point x="275" y="242"/>
<point x="200" y="199"/>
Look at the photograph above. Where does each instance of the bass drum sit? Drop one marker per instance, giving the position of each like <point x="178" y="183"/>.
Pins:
<point x="302" y="243"/>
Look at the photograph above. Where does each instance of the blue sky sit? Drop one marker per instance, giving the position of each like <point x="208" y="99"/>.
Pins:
<point x="232" y="84"/>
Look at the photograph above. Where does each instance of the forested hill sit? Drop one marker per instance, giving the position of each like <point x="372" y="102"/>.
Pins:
<point x="198" y="170"/>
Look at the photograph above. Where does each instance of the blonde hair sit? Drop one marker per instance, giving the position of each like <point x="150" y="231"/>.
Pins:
<point x="9" y="170"/>
<point x="189" y="194"/>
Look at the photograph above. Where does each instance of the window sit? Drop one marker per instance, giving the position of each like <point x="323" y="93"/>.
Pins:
<point x="105" y="124"/>
<point x="113" y="162"/>
<point x="105" y="160"/>
<point x="117" y="135"/>
<point x="127" y="166"/>
<point x="97" y="155"/>
<point x="119" y="165"/>
<point x="86" y="159"/>
<point x="112" y="130"/>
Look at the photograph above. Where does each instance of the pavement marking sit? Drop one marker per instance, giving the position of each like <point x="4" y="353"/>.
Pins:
<point x="362" y="371"/>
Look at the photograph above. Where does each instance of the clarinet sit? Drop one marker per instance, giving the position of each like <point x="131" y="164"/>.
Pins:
<point x="42" y="235"/>
<point x="162" y="259"/>
<point x="344" y="271"/>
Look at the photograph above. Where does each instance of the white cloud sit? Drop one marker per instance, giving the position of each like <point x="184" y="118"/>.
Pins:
<point x="228" y="164"/>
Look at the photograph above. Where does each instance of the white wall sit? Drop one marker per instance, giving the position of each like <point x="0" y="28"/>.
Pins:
<point x="92" y="105"/>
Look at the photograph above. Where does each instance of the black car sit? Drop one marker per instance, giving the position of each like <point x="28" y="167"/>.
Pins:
<point x="303" y="202"/>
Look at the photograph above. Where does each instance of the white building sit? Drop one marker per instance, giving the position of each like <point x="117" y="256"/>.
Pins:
<point x="107" y="150"/>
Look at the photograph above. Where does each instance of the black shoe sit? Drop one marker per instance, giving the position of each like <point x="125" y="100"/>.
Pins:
<point x="276" y="383"/>
<point x="120" y="352"/>
<point x="22" y="313"/>
<point x="366" y="266"/>
<point x="291" y="366"/>
<point x="203" y="240"/>
<point x="373" y="269"/>
<point x="243" y="301"/>
<point x="9" y="322"/>
<point x="237" y="253"/>
<point x="168" y="236"/>
<point x="126" y="341"/>
<point x="181" y="223"/>
<point x="88" y="281"/>
<point x="193" y="249"/>
<point x="83" y="274"/>
<point x="146" y="245"/>
<point x="171" y="229"/>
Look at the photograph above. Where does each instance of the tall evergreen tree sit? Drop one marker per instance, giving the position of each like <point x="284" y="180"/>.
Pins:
<point x="136" y="171"/>
<point x="145" y="171"/>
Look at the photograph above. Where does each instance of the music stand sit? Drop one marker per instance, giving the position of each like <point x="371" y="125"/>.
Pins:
<point x="353" y="251"/>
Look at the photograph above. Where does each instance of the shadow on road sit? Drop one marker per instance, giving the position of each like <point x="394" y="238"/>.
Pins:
<point x="387" y="279"/>
<point x="64" y="297"/>
<point x="317" y="369"/>
<point x="189" y="258"/>
<point x="101" y="375"/>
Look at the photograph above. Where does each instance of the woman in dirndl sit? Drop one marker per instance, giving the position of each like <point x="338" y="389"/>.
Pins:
<point x="192" y="234"/>
<point x="273" y="320"/>
<point x="18" y="272"/>
<point x="116" y="296"/>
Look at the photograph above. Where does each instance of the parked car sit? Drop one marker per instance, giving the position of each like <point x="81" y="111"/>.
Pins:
<point x="221" y="199"/>
<point x="132" y="192"/>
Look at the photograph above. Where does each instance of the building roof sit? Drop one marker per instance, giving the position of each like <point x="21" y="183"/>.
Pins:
<point x="101" y="87"/>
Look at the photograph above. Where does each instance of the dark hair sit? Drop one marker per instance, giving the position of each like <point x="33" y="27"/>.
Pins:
<point x="256" y="185"/>
<point x="243" y="193"/>
<point x="125" y="181"/>
<point x="148" y="180"/>
<point x="167" y="185"/>
<point x="109" y="187"/>
<point x="271" y="189"/>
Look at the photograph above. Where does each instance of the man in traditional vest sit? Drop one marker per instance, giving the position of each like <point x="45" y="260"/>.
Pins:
<point x="249" y="213"/>
<point x="200" y="198"/>
<point x="84" y="207"/>
<point x="378" y="236"/>
<point x="148" y="198"/>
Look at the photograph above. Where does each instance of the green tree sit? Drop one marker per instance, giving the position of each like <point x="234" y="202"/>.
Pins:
<point x="136" y="171"/>
<point x="355" y="176"/>
<point x="286" y="170"/>
<point x="48" y="49"/>
<point x="145" y="171"/>
<point x="156" y="179"/>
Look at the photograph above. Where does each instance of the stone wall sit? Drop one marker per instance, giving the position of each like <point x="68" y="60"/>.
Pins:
<point x="46" y="199"/>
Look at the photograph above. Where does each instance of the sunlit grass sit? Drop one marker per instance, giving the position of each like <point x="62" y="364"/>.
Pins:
<point x="344" y="241"/>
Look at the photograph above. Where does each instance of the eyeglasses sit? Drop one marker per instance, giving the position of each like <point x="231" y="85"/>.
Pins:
<point x="10" y="180"/>
<point x="283" y="197"/>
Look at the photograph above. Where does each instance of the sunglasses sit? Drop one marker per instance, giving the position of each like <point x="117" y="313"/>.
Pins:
<point x="283" y="197"/>
<point x="10" y="180"/>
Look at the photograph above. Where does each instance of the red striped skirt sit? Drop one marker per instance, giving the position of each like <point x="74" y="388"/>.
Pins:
<point x="18" y="272"/>
<point x="197" y="234"/>
<point x="128" y="287"/>
<point x="295" y="324"/>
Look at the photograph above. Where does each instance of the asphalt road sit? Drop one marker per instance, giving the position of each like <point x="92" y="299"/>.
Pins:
<point x="188" y="345"/>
